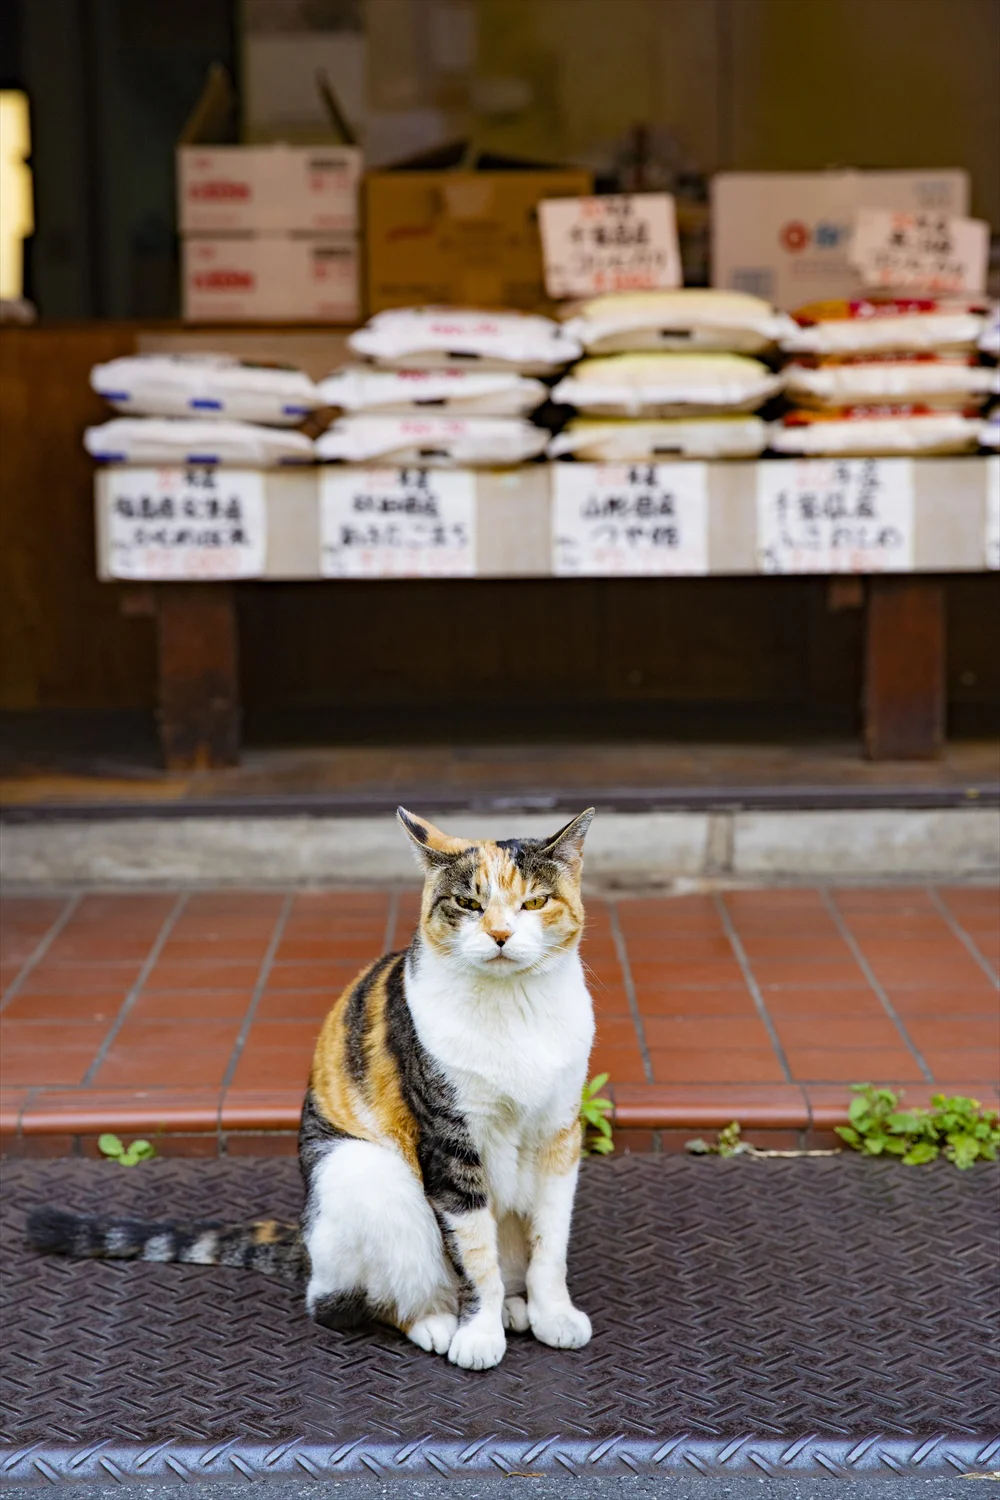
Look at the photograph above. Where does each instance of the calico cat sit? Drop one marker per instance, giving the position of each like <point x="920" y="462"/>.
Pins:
<point x="440" y="1136"/>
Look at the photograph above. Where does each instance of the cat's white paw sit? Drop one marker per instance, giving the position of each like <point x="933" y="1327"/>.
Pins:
<point x="478" y="1345"/>
<point x="434" y="1333"/>
<point x="515" y="1314"/>
<point x="562" y="1327"/>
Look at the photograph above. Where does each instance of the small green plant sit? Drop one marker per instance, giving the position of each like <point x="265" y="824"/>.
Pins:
<point x="125" y="1156"/>
<point x="594" y="1112"/>
<point x="726" y="1143"/>
<point x="959" y="1129"/>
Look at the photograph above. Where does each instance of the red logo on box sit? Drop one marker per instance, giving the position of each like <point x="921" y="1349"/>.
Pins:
<point x="794" y="236"/>
<point x="224" y="281"/>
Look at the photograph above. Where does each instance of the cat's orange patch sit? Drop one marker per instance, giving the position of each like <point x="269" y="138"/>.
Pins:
<point x="561" y="1154"/>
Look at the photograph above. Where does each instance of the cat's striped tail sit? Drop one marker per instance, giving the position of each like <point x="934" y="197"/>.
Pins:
<point x="265" y="1245"/>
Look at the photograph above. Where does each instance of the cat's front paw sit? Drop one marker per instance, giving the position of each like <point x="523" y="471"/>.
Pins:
<point x="434" y="1333"/>
<point x="478" y="1345"/>
<point x="562" y="1327"/>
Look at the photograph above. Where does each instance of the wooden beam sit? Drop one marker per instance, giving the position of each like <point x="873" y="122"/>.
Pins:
<point x="904" y="668"/>
<point x="199" y="693"/>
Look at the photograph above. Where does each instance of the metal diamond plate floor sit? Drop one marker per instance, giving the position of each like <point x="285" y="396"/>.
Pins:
<point x="781" y="1317"/>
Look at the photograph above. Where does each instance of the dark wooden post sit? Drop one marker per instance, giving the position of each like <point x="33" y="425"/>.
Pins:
<point x="904" y="668"/>
<point x="199" y="681"/>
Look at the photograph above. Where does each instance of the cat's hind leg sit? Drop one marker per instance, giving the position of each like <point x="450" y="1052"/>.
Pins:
<point x="374" y="1246"/>
<point x="512" y="1247"/>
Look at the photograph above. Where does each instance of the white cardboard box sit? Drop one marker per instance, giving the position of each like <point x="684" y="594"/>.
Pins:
<point x="268" y="189"/>
<point x="784" y="236"/>
<point x="271" y="278"/>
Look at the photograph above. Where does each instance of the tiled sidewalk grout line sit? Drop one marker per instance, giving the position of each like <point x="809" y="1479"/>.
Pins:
<point x="869" y="974"/>
<point x="42" y="947"/>
<point x="267" y="963"/>
<point x="964" y="937"/>
<point x="133" y="995"/>
<point x="621" y="949"/>
<point x="742" y="958"/>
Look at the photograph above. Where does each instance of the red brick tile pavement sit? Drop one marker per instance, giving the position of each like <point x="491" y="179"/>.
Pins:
<point x="191" y="1016"/>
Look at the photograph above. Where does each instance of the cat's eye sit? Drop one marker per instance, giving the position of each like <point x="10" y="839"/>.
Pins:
<point x="535" y="904"/>
<point x="467" y="903"/>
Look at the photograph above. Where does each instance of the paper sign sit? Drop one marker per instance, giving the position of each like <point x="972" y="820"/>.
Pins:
<point x="629" y="519"/>
<point x="920" y="252"/>
<point x="847" y="515"/>
<point x="190" y="523"/>
<point x="618" y="243"/>
<point x="397" y="523"/>
<point x="993" y="512"/>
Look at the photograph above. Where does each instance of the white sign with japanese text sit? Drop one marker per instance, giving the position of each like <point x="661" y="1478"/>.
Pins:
<point x="615" y="243"/>
<point x="835" y="515"/>
<point x="629" y="519"/>
<point x="397" y="523"/>
<point x="185" y="523"/>
<point x="993" y="512"/>
<point x="932" y="253"/>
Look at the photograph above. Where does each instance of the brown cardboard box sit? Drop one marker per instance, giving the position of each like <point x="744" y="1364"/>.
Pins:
<point x="439" y="233"/>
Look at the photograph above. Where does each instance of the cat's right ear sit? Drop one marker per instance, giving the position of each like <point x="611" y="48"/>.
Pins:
<point x="433" y="848"/>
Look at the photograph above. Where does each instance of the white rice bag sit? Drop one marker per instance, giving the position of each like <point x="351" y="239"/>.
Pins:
<point x="873" y="430"/>
<point x="207" y="386"/>
<point x="694" y="437"/>
<point x="497" y="393"/>
<point x="436" y="337"/>
<point x="690" y="319"/>
<point x="989" y="339"/>
<point x="432" y="441"/>
<point x="667" y="385"/>
<point x="896" y="324"/>
<point x="928" y="379"/>
<point x="174" y="440"/>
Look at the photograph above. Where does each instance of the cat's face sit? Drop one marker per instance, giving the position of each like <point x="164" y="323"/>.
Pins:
<point x="502" y="908"/>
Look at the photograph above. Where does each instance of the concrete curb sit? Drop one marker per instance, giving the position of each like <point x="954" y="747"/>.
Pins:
<point x="624" y="850"/>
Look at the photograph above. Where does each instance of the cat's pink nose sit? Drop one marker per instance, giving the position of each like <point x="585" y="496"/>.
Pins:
<point x="499" y="935"/>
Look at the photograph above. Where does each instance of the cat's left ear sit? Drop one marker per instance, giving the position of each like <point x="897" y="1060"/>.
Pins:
<point x="566" y="846"/>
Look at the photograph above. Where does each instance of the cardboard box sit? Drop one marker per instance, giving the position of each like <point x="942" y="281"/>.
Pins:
<point x="271" y="278"/>
<point x="268" y="189"/>
<point x="784" y="236"/>
<point x="440" y="233"/>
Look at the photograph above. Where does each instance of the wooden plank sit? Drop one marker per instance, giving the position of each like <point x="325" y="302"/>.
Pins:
<point x="198" y="675"/>
<point x="904" y="668"/>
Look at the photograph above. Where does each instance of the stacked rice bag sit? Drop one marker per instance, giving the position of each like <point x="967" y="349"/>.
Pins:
<point x="989" y="350"/>
<point x="669" y="374"/>
<point x="202" y="409"/>
<point x="446" y="387"/>
<point x="881" y="377"/>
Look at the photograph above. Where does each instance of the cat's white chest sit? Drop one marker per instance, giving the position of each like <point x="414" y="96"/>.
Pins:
<point x="516" y="1059"/>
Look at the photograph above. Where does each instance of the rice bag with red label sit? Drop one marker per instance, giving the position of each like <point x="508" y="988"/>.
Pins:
<point x="431" y="441"/>
<point x="895" y="324"/>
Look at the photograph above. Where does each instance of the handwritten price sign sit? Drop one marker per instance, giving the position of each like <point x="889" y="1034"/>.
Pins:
<point x="920" y="252"/>
<point x="629" y="519"/>
<point x="820" y="515"/>
<point x="618" y="243"/>
<point x="186" y="524"/>
<point x="397" y="523"/>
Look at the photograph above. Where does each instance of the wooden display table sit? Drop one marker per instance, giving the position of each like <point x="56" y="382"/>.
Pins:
<point x="516" y="526"/>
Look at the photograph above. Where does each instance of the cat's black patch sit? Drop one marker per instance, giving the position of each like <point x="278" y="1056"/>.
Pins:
<point x="316" y="1136"/>
<point x="357" y="1019"/>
